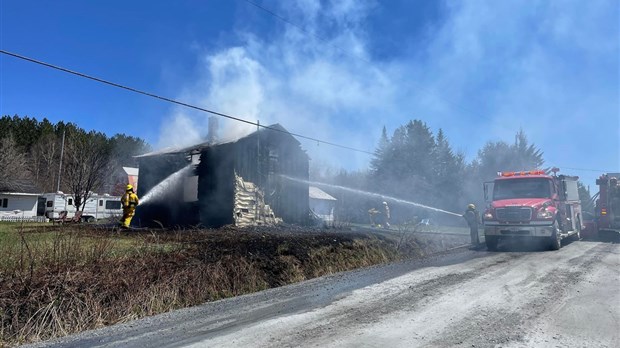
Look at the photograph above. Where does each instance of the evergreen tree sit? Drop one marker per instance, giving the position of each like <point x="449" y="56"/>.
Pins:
<point x="499" y="156"/>
<point x="526" y="156"/>
<point x="13" y="164"/>
<point x="125" y="147"/>
<point x="448" y="174"/>
<point x="586" y="199"/>
<point x="377" y="164"/>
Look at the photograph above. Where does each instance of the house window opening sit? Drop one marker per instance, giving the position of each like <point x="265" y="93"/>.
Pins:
<point x="5" y="202"/>
<point x="273" y="161"/>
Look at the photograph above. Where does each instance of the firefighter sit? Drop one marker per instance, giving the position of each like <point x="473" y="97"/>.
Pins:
<point x="129" y="202"/>
<point x="371" y="214"/>
<point x="386" y="215"/>
<point x="472" y="217"/>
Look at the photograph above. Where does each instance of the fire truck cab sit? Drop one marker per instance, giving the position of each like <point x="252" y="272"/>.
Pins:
<point x="532" y="204"/>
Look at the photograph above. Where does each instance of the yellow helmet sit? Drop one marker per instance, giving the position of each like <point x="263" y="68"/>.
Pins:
<point x="129" y="188"/>
<point x="471" y="206"/>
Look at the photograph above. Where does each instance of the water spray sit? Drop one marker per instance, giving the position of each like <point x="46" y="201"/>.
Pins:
<point x="372" y="194"/>
<point x="165" y="185"/>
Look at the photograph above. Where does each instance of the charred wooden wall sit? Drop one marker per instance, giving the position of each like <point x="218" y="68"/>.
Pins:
<point x="259" y="158"/>
<point x="169" y="209"/>
<point x="216" y="185"/>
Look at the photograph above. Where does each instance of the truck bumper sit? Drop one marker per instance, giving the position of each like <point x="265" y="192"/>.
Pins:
<point x="545" y="230"/>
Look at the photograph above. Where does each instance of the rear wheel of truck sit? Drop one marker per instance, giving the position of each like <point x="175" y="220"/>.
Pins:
<point x="556" y="237"/>
<point x="491" y="242"/>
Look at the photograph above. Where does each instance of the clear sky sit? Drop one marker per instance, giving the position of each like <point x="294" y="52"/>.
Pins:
<point x="480" y="70"/>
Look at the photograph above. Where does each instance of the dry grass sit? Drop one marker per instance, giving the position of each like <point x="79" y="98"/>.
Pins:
<point x="62" y="280"/>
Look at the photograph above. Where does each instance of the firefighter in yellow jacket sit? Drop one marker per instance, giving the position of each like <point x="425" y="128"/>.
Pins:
<point x="129" y="202"/>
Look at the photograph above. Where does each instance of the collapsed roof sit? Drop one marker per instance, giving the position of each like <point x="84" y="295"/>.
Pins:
<point x="196" y="148"/>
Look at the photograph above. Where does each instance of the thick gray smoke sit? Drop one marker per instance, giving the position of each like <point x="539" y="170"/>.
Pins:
<point x="481" y="71"/>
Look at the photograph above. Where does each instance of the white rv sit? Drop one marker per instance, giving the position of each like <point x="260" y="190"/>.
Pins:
<point x="108" y="206"/>
<point x="18" y="206"/>
<point x="97" y="206"/>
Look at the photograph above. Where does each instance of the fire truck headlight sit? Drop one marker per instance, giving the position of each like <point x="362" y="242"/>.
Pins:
<point x="544" y="214"/>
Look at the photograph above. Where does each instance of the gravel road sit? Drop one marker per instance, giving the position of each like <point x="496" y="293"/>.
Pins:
<point x="522" y="297"/>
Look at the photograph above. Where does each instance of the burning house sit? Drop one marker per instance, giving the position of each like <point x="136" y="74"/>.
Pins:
<point x="213" y="184"/>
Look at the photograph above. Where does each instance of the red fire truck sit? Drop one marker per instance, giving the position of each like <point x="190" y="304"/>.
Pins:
<point x="608" y="205"/>
<point x="532" y="204"/>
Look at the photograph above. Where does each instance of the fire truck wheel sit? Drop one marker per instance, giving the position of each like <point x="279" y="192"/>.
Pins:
<point x="491" y="242"/>
<point x="577" y="236"/>
<point x="556" y="237"/>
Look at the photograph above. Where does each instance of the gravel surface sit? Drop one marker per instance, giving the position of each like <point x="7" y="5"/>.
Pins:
<point x="520" y="297"/>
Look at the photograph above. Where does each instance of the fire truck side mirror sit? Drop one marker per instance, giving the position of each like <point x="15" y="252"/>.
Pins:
<point x="488" y="188"/>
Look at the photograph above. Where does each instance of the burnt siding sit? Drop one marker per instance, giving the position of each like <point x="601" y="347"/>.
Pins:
<point x="216" y="185"/>
<point x="153" y="170"/>
<point x="294" y="200"/>
<point x="218" y="163"/>
<point x="289" y="200"/>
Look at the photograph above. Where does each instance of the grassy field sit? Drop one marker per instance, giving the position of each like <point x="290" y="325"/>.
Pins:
<point x="33" y="245"/>
<point x="58" y="280"/>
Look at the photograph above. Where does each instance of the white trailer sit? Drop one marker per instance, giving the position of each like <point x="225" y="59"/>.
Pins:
<point x="17" y="206"/>
<point x="108" y="206"/>
<point x="97" y="206"/>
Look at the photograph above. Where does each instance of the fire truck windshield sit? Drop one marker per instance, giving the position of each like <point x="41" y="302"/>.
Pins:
<point x="522" y="188"/>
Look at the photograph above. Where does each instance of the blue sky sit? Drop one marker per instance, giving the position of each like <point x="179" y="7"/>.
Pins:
<point x="480" y="70"/>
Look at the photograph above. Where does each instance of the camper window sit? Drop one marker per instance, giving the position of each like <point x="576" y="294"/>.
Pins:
<point x="49" y="204"/>
<point x="5" y="202"/>
<point x="70" y="201"/>
<point x="113" y="204"/>
<point x="101" y="202"/>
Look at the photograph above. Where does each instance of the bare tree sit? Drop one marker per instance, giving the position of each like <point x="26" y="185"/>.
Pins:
<point x="13" y="164"/>
<point x="45" y="157"/>
<point x="86" y="163"/>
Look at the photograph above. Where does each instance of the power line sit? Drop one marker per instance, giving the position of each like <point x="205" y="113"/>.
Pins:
<point x="174" y="101"/>
<point x="588" y="170"/>
<point x="114" y="84"/>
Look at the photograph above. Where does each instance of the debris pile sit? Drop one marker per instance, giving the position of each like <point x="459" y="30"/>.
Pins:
<point x="250" y="208"/>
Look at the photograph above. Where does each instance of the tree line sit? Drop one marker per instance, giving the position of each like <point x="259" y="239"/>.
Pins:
<point x="413" y="163"/>
<point x="31" y="157"/>
<point x="420" y="166"/>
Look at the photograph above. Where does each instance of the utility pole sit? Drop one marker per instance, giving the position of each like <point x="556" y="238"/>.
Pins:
<point x="257" y="183"/>
<point x="62" y="151"/>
